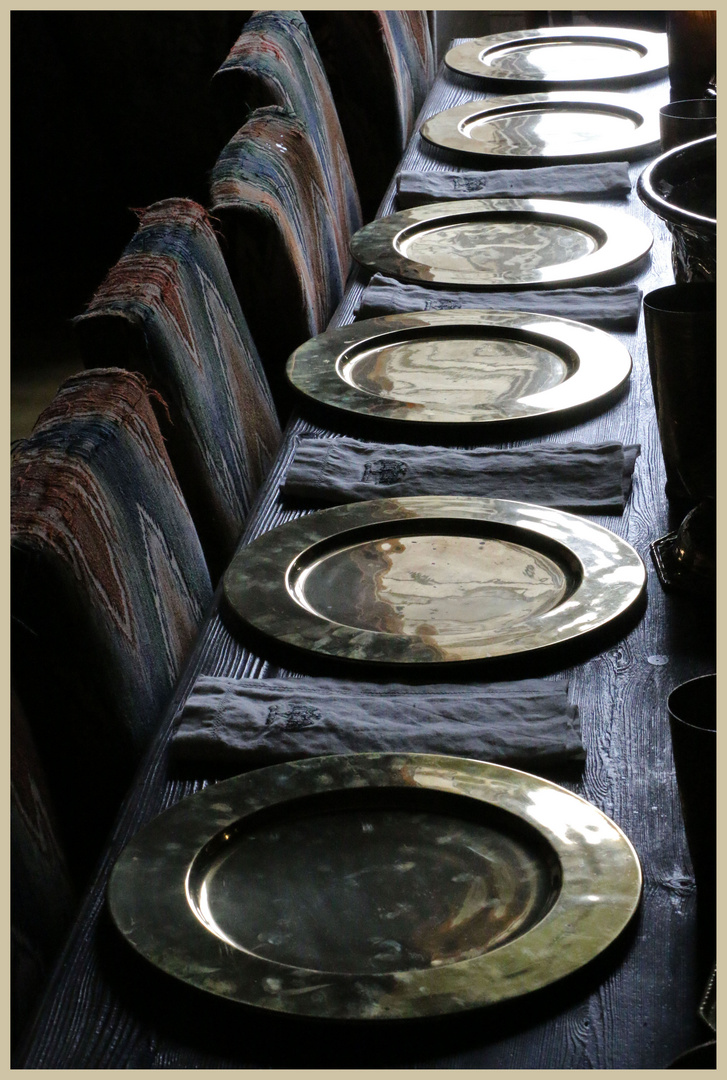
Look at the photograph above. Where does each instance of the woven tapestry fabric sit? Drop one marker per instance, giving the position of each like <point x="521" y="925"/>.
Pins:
<point x="255" y="722"/>
<point x="380" y="65"/>
<point x="268" y="192"/>
<point x="409" y="45"/>
<point x="169" y="310"/>
<point x="591" y="479"/>
<point x="275" y="62"/>
<point x="109" y="587"/>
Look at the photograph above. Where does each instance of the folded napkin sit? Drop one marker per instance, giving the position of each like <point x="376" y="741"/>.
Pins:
<point x="612" y="307"/>
<point x="606" y="180"/>
<point x="575" y="476"/>
<point x="253" y="722"/>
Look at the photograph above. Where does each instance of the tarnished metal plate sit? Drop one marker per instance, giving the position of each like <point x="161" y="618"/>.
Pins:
<point x="549" y="128"/>
<point x="564" y="56"/>
<point x="432" y="580"/>
<point x="502" y="243"/>
<point x="376" y="886"/>
<point x="459" y="367"/>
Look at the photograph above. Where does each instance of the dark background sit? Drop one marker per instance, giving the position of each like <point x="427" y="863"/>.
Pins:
<point x="109" y="110"/>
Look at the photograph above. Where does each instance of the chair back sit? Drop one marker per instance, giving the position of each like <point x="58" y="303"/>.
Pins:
<point x="168" y="309"/>
<point x="42" y="899"/>
<point x="268" y="193"/>
<point x="275" y="62"/>
<point x="109" y="587"/>
<point x="380" y="66"/>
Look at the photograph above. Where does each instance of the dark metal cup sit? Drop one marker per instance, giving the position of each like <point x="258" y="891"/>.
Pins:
<point x="693" y="722"/>
<point x="684" y="121"/>
<point x="692" y="42"/>
<point x="681" y="330"/>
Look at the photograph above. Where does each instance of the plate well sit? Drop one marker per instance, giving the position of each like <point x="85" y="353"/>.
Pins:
<point x="374" y="881"/>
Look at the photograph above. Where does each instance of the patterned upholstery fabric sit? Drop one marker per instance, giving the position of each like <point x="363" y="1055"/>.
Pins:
<point x="109" y="586"/>
<point x="380" y="65"/>
<point x="269" y="194"/>
<point x="42" y="898"/>
<point x="168" y="309"/>
<point x="275" y="62"/>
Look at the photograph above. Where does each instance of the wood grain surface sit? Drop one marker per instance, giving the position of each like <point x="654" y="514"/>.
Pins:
<point x="634" y="1007"/>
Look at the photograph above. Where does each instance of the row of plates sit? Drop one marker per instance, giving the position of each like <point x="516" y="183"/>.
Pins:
<point x="390" y="886"/>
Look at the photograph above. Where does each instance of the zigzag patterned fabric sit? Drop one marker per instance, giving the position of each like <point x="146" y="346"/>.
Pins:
<point x="109" y="587"/>
<point x="275" y="62"/>
<point x="269" y="194"/>
<point x="380" y="66"/>
<point x="169" y="310"/>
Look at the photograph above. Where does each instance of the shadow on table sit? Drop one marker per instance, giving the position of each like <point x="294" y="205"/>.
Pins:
<point x="185" y="1027"/>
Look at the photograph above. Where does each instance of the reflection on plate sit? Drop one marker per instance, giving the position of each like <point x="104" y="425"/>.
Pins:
<point x="572" y="56"/>
<point x="376" y="886"/>
<point x="562" y="126"/>
<point x="502" y="243"/>
<point x="431" y="580"/>
<point x="459" y="367"/>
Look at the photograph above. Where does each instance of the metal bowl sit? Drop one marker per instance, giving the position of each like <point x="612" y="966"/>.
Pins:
<point x="681" y="188"/>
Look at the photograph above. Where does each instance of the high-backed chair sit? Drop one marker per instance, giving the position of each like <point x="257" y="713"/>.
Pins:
<point x="109" y="587"/>
<point x="380" y="65"/>
<point x="268" y="193"/>
<point x="41" y="894"/>
<point x="275" y="62"/>
<point x="169" y="310"/>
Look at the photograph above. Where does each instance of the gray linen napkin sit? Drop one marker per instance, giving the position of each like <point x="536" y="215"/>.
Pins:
<point x="606" y="180"/>
<point x="574" y="476"/>
<point x="615" y="307"/>
<point x="253" y="722"/>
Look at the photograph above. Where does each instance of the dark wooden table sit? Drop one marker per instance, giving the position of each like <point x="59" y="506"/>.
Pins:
<point x="635" y="1007"/>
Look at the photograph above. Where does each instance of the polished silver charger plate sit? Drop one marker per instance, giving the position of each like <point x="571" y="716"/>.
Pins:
<point x="564" y="56"/>
<point x="459" y="367"/>
<point x="503" y="243"/>
<point x="375" y="886"/>
<point x="431" y="580"/>
<point x="559" y="127"/>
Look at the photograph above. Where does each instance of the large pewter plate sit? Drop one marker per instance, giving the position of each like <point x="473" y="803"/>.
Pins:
<point x="550" y="128"/>
<point x="376" y="886"/>
<point x="503" y="243"/>
<point x="459" y="367"/>
<point x="564" y="56"/>
<point x="431" y="580"/>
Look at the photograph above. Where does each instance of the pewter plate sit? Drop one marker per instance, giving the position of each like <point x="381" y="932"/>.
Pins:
<point x="430" y="580"/>
<point x="502" y="243"/>
<point x="459" y="367"/>
<point x="564" y="126"/>
<point x="376" y="886"/>
<point x="570" y="56"/>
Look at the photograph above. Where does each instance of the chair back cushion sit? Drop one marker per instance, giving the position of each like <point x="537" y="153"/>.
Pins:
<point x="109" y="587"/>
<point x="42" y="897"/>
<point x="275" y="62"/>
<point x="380" y="65"/>
<point x="168" y="309"/>
<point x="269" y="195"/>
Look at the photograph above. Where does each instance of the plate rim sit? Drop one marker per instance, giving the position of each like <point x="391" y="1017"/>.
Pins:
<point x="654" y="62"/>
<point x="256" y="584"/>
<point x="164" y="931"/>
<point x="374" y="245"/>
<point x="643" y="144"/>
<point x="312" y="369"/>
